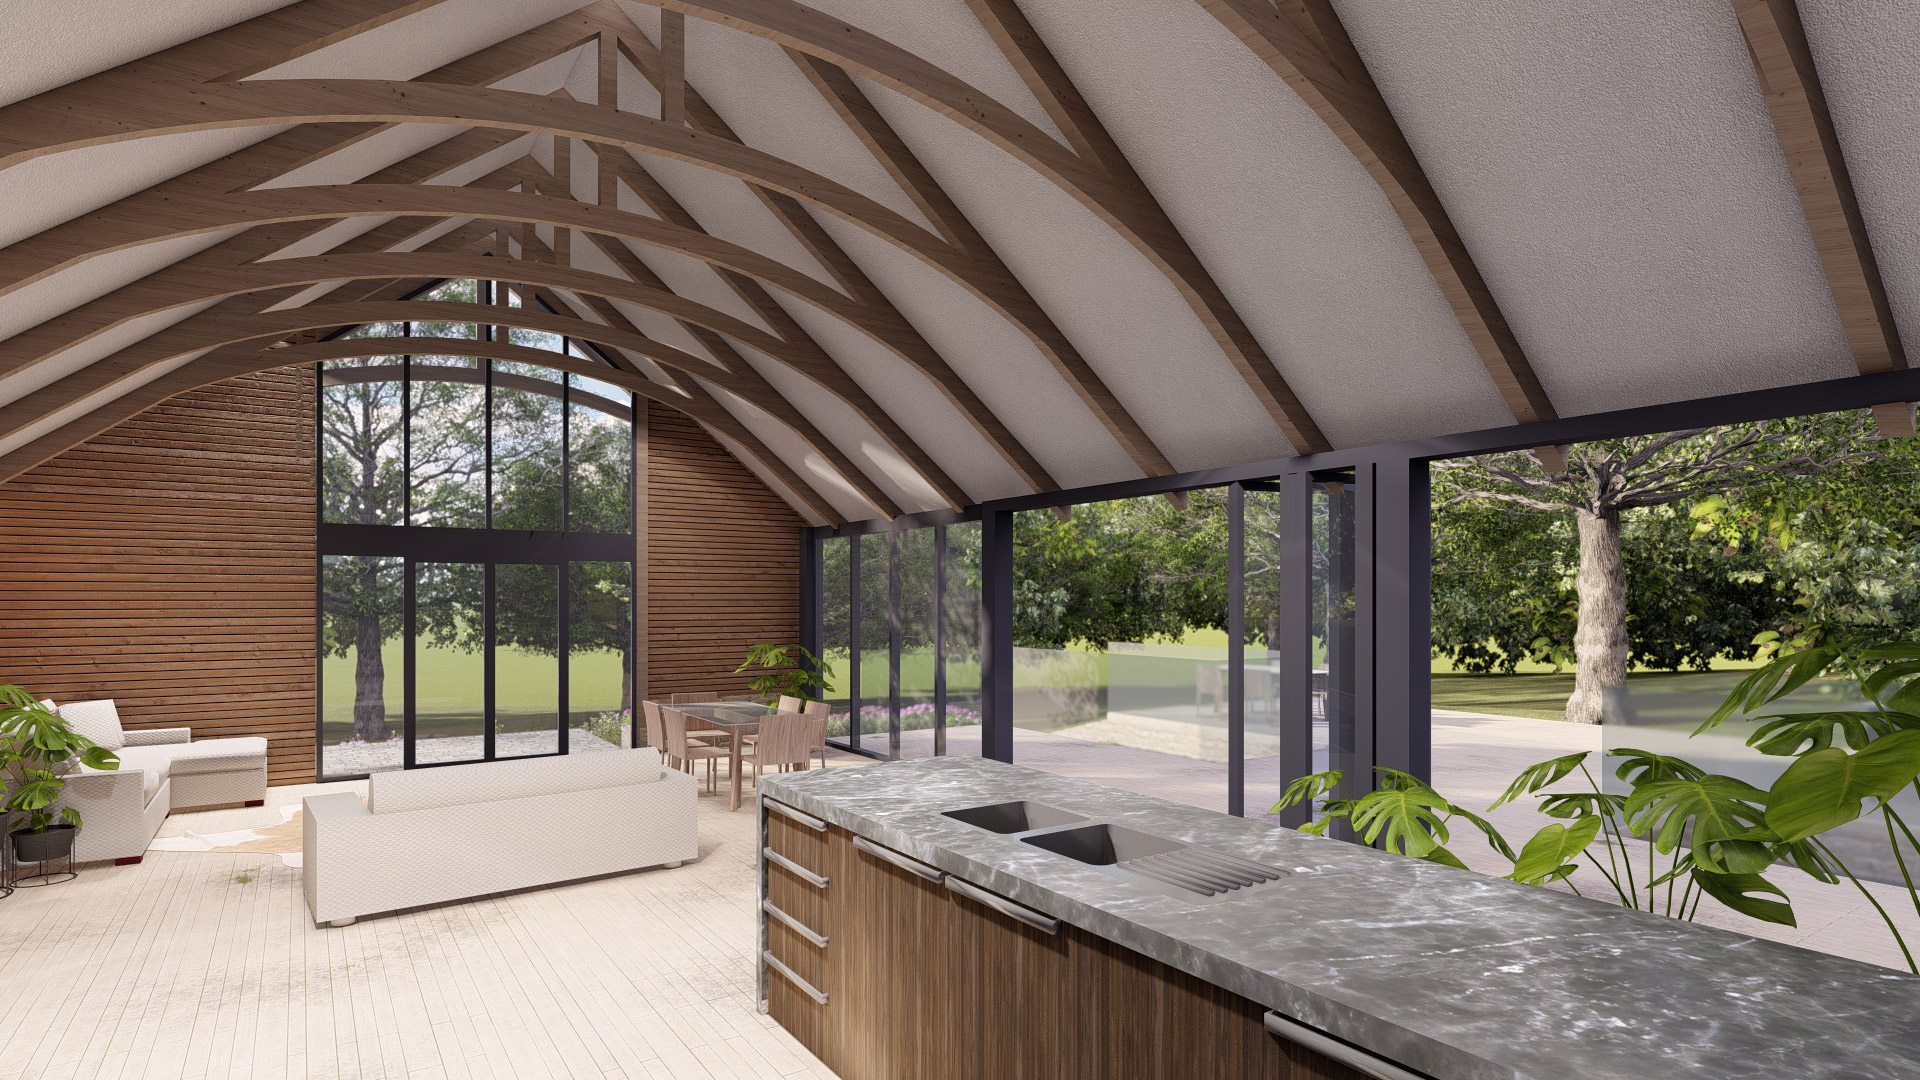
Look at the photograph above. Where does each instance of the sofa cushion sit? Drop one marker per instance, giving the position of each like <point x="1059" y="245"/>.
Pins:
<point x="245" y="754"/>
<point x="487" y="781"/>
<point x="96" y="720"/>
<point x="143" y="758"/>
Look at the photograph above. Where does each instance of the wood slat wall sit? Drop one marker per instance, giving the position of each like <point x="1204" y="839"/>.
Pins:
<point x="168" y="564"/>
<point x="724" y="566"/>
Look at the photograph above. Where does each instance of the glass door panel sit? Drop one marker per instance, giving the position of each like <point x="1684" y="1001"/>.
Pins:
<point x="361" y="702"/>
<point x="1335" y="735"/>
<point x="599" y="641"/>
<point x="526" y="659"/>
<point x="448" y="661"/>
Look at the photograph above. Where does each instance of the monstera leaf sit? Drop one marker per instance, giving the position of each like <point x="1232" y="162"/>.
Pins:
<point x="1719" y="813"/>
<point x="1770" y="683"/>
<point x="1492" y="834"/>
<point x="1406" y="815"/>
<point x="1580" y="804"/>
<point x="1824" y="789"/>
<point x="1738" y="891"/>
<point x="1308" y="788"/>
<point x="1538" y="776"/>
<point x="1549" y="855"/>
<point x="1640" y="767"/>
<point x="1790" y="733"/>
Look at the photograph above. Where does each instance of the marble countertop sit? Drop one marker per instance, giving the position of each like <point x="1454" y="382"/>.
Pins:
<point x="1456" y="974"/>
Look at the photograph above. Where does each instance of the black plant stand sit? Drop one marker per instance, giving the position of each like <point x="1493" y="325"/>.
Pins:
<point x="7" y="869"/>
<point x="13" y="873"/>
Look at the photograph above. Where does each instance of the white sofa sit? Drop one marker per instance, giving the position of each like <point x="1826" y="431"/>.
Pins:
<point x="428" y="836"/>
<point x="161" y="770"/>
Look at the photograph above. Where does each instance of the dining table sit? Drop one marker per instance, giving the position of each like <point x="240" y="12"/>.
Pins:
<point x="737" y="718"/>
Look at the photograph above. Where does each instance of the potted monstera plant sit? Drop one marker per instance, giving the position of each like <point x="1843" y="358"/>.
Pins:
<point x="37" y="749"/>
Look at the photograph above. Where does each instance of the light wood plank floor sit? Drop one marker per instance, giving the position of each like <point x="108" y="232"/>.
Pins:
<point x="206" y="965"/>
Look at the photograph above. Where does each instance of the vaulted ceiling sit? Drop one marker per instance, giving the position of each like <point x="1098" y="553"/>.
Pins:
<point x="906" y="254"/>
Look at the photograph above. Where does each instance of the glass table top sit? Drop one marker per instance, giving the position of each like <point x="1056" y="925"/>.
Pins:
<point x="726" y="713"/>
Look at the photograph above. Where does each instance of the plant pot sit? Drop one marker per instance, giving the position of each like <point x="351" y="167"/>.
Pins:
<point x="55" y="843"/>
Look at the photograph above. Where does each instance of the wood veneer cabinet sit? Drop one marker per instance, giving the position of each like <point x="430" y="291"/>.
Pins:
<point x="922" y="982"/>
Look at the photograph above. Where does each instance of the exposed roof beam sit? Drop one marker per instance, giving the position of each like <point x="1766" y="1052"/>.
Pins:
<point x="1131" y="211"/>
<point x="859" y="114"/>
<point x="926" y="359"/>
<point x="1777" y="42"/>
<point x="1309" y="48"/>
<point x="823" y="369"/>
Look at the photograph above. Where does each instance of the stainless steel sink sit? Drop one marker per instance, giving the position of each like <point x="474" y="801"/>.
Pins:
<point x="1193" y="869"/>
<point x="1013" y="817"/>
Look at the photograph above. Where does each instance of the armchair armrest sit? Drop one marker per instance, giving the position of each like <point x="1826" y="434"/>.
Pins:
<point x="158" y="736"/>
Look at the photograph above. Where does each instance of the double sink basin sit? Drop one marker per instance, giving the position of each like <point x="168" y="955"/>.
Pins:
<point x="1121" y="852"/>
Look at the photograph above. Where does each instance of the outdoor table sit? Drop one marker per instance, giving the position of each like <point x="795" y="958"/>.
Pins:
<point x="737" y="718"/>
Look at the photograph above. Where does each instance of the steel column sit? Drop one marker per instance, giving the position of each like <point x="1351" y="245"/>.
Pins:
<point x="1236" y="650"/>
<point x="996" y="635"/>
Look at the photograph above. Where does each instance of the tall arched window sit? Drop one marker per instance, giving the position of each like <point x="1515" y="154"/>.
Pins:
<point x="476" y="545"/>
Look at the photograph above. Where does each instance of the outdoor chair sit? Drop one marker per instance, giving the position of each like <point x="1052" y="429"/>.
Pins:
<point x="786" y="741"/>
<point x="687" y="751"/>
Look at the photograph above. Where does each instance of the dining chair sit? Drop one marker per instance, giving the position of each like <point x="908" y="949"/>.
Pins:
<point x="685" y="749"/>
<point x="789" y="703"/>
<point x="657" y="733"/>
<point x="699" y="735"/>
<point x="691" y="697"/>
<point x="818" y="711"/>
<point x="786" y="740"/>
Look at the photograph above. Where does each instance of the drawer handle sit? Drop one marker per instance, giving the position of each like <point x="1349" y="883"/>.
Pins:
<point x="805" y="986"/>
<point x="1345" y="1053"/>
<point x="912" y="866"/>
<point x="1005" y="907"/>
<point x="811" y="822"/>
<point x="785" y="863"/>
<point x="798" y="927"/>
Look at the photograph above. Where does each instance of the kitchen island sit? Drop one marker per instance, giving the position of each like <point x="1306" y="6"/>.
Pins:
<point x="1067" y="929"/>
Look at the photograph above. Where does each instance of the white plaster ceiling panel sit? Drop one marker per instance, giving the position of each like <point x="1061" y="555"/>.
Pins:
<point x="989" y="354"/>
<point x="19" y="384"/>
<point x="760" y="471"/>
<point x="860" y="441"/>
<point x="729" y="210"/>
<point x="1301" y="240"/>
<point x="1126" y="318"/>
<point x="425" y="40"/>
<point x="695" y="280"/>
<point x="1612" y="167"/>
<point x="763" y="97"/>
<point x="789" y="447"/>
<point x="365" y="157"/>
<point x="946" y="33"/>
<point x="546" y="76"/>
<point x="62" y="292"/>
<point x="497" y="158"/>
<point x="914" y="403"/>
<point x="50" y="43"/>
<point x="42" y="192"/>
<point x="1867" y="53"/>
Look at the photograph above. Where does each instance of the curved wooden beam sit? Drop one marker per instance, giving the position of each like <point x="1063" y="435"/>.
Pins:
<point x="296" y="101"/>
<point x="1128" y="208"/>
<point x="884" y="326"/>
<point x="1321" y="65"/>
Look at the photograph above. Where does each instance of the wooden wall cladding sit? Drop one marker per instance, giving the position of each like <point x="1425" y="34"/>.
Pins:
<point x="168" y="563"/>
<point x="723" y="571"/>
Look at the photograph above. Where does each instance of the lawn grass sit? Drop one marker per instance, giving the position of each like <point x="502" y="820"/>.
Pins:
<point x="1540" y="697"/>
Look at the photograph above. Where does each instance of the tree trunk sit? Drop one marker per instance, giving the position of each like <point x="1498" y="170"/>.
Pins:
<point x="1600" y="640"/>
<point x="369" y="683"/>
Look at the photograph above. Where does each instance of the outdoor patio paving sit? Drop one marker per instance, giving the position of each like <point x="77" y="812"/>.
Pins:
<point x="352" y="758"/>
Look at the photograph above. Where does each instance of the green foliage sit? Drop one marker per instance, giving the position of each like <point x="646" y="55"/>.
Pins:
<point x="36" y="747"/>
<point x="785" y="670"/>
<point x="1129" y="570"/>
<point x="1823" y="789"/>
